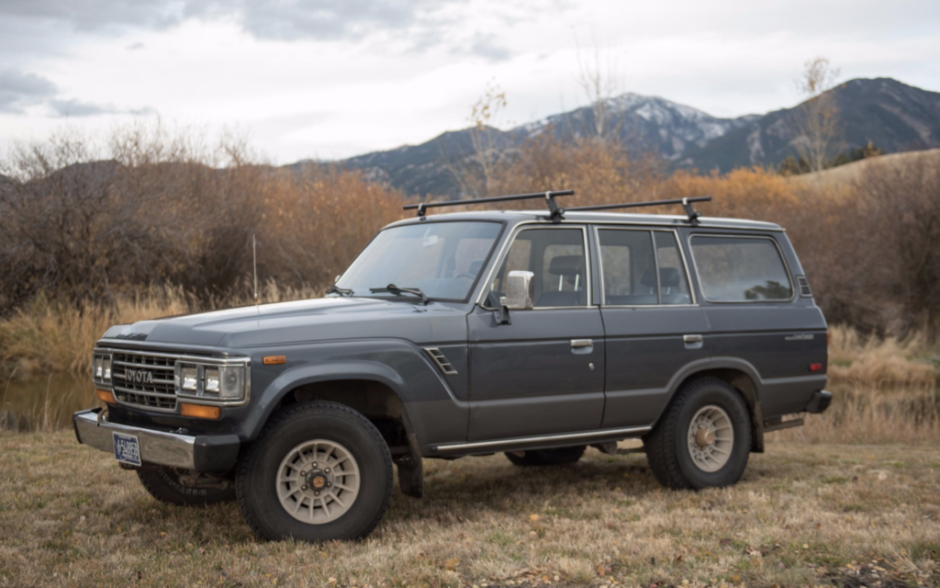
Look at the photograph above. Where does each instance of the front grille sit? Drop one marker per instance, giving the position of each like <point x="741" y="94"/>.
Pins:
<point x="144" y="380"/>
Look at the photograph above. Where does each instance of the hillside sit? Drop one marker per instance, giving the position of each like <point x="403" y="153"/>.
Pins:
<point x="853" y="172"/>
<point x="892" y="115"/>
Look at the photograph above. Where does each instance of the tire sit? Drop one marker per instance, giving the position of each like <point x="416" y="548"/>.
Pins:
<point x="684" y="455"/>
<point x="326" y="463"/>
<point x="547" y="457"/>
<point x="164" y="485"/>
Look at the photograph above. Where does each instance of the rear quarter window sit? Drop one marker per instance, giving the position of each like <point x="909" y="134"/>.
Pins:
<point x="740" y="269"/>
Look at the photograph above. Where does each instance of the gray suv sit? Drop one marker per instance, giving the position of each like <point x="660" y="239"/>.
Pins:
<point x="529" y="333"/>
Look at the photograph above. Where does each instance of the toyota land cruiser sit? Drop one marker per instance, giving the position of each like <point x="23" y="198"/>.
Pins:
<point x="530" y="333"/>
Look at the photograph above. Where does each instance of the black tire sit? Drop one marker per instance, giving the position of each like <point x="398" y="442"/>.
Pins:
<point x="256" y="478"/>
<point x="547" y="457"/>
<point x="668" y="445"/>
<point x="164" y="485"/>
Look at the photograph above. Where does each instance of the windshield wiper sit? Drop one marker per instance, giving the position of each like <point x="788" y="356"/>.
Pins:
<point x="334" y="289"/>
<point x="393" y="289"/>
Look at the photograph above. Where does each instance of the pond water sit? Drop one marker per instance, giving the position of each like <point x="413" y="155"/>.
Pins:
<point x="44" y="403"/>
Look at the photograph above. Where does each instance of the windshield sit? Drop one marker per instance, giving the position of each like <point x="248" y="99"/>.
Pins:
<point x="442" y="259"/>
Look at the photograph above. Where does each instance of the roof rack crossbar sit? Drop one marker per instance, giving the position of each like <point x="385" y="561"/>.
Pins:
<point x="555" y="212"/>
<point x="685" y="202"/>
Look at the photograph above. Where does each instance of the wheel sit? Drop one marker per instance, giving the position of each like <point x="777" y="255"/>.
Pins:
<point x="547" y="457"/>
<point x="704" y="438"/>
<point x="164" y="485"/>
<point x="319" y="471"/>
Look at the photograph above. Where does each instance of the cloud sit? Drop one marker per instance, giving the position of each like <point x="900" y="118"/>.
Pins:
<point x="264" y="19"/>
<point x="19" y="91"/>
<point x="22" y="90"/>
<point x="485" y="46"/>
<point x="73" y="107"/>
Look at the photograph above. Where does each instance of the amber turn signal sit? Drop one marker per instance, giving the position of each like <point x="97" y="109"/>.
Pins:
<point x="274" y="360"/>
<point x="105" y="396"/>
<point x="199" y="411"/>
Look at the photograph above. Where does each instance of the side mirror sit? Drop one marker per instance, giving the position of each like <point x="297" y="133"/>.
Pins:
<point x="519" y="291"/>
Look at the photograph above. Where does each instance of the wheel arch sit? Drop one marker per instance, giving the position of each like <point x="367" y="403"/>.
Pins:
<point x="369" y="387"/>
<point x="744" y="378"/>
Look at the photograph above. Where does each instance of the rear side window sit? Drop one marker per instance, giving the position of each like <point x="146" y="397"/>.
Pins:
<point x="630" y="265"/>
<point x="740" y="269"/>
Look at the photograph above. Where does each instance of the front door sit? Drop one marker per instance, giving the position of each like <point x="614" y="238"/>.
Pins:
<point x="544" y="372"/>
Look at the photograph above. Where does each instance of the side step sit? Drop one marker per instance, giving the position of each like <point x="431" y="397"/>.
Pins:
<point x="779" y="424"/>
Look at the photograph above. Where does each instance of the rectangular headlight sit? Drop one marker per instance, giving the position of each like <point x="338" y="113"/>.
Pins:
<point x="212" y="379"/>
<point x="107" y="369"/>
<point x="98" y="369"/>
<point x="188" y="378"/>
<point x="232" y="382"/>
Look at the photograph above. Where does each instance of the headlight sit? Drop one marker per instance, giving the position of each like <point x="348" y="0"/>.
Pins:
<point x="233" y="382"/>
<point x="224" y="382"/>
<point x="212" y="380"/>
<point x="101" y="368"/>
<point x="189" y="378"/>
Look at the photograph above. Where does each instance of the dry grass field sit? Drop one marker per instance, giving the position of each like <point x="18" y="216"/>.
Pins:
<point x="804" y="515"/>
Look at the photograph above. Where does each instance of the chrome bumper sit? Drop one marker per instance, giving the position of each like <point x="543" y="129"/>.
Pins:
<point x="203" y="453"/>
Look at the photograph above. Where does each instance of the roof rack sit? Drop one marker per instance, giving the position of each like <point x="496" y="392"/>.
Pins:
<point x="685" y="202"/>
<point x="556" y="213"/>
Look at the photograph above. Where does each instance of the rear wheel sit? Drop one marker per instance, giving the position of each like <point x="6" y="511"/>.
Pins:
<point x="704" y="438"/>
<point x="320" y="471"/>
<point x="547" y="457"/>
<point x="164" y="485"/>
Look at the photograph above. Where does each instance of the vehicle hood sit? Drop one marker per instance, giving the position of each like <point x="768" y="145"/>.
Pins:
<point x="302" y="321"/>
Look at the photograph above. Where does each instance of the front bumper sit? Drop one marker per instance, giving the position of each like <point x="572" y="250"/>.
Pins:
<point x="201" y="453"/>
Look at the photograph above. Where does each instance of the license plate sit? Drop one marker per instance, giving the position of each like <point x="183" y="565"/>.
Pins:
<point x="127" y="448"/>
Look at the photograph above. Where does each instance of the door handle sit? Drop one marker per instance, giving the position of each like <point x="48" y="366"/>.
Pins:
<point x="692" y="338"/>
<point x="581" y="343"/>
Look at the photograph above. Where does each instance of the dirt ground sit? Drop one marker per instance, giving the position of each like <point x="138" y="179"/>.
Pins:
<point x="804" y="515"/>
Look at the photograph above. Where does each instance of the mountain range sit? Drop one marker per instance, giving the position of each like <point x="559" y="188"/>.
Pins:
<point x="891" y="115"/>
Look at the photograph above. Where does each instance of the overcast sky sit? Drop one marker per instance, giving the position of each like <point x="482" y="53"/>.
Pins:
<point x="333" y="78"/>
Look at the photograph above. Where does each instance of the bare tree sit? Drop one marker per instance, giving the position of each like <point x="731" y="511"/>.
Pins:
<point x="475" y="173"/>
<point x="818" y="123"/>
<point x="600" y="81"/>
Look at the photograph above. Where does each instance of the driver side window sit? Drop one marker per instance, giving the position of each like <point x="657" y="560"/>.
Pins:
<point x="556" y="258"/>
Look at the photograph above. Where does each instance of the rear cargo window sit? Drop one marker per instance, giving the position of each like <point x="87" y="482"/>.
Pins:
<point x="740" y="269"/>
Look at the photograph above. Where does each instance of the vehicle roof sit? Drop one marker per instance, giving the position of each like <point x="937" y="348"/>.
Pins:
<point x="517" y="216"/>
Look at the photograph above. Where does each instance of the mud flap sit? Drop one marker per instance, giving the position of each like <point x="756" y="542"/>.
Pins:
<point x="411" y="470"/>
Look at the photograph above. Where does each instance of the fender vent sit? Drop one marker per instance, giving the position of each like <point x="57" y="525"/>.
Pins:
<point x="441" y="360"/>
<point x="804" y="286"/>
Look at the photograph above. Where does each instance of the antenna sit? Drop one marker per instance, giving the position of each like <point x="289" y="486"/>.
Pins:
<point x="254" y="262"/>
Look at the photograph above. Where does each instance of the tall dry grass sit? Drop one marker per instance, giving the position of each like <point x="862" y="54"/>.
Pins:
<point x="876" y="362"/>
<point x="56" y="336"/>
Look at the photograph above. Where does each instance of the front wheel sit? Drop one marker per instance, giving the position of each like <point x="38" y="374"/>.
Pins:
<point x="704" y="438"/>
<point x="320" y="471"/>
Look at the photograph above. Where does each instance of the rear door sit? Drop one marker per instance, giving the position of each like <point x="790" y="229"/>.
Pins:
<point x="544" y="372"/>
<point x="653" y="325"/>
